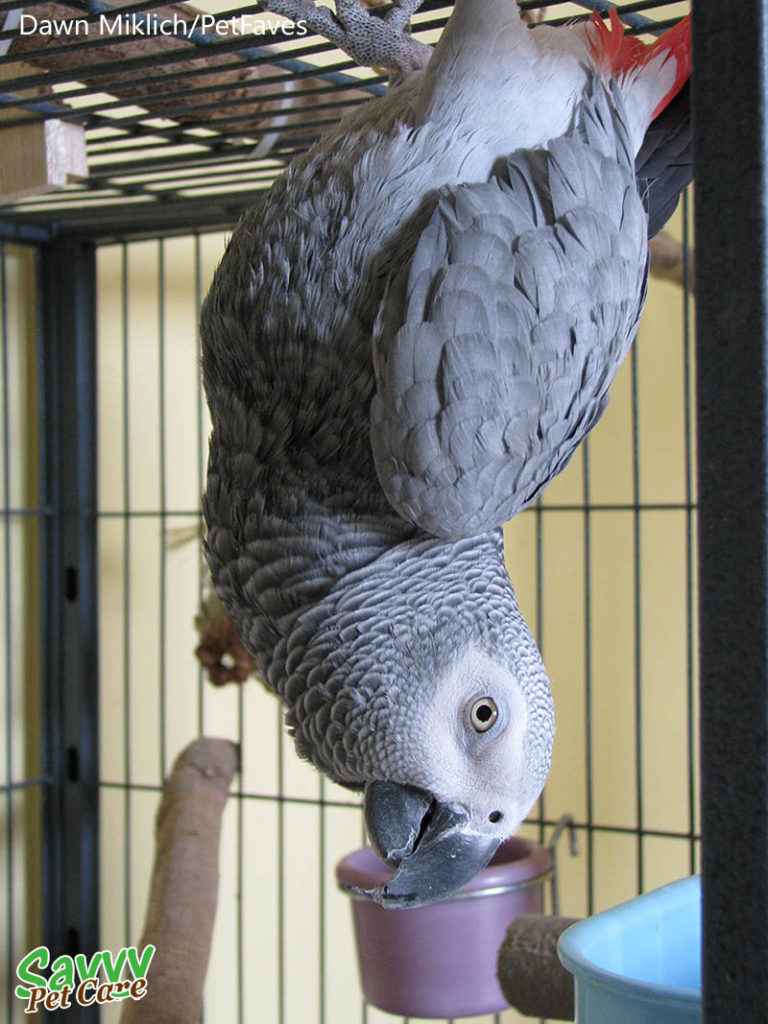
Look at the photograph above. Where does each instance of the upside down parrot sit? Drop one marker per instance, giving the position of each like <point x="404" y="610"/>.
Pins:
<point x="408" y="336"/>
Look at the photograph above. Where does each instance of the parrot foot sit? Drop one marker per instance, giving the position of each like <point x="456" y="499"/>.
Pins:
<point x="531" y="16"/>
<point x="220" y="650"/>
<point x="370" y="40"/>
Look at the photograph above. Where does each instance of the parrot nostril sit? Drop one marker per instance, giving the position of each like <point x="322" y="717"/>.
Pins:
<point x="495" y="816"/>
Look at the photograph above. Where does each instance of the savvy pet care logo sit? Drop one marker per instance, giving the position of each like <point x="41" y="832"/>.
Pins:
<point x="77" y="978"/>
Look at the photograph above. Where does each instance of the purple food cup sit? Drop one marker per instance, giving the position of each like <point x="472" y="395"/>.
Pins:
<point x="440" y="960"/>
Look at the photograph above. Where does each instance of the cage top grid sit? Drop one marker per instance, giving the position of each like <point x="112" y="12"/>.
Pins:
<point x="186" y="113"/>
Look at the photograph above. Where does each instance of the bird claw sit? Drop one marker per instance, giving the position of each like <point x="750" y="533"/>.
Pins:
<point x="370" y="40"/>
<point x="532" y="16"/>
<point x="220" y="650"/>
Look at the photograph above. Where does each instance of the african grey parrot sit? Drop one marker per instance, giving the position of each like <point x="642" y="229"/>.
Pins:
<point x="407" y="338"/>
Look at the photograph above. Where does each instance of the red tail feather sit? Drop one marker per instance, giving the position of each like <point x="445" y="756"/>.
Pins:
<point x="619" y="54"/>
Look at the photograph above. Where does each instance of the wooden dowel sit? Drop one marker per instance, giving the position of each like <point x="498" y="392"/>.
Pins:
<point x="185" y="877"/>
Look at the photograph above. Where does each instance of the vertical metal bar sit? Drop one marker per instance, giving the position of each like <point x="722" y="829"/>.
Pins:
<point x="240" y="865"/>
<point x="46" y="444"/>
<point x="127" y="634"/>
<point x="364" y="1006"/>
<point x="163" y="504"/>
<point x="730" y="87"/>
<point x="69" y="586"/>
<point x="321" y="901"/>
<point x="637" y="599"/>
<point x="280" y="870"/>
<point x="201" y="466"/>
<point x="5" y="435"/>
<point x="201" y="572"/>
<point x="540" y="629"/>
<point x="689" y="546"/>
<point x="589" y="766"/>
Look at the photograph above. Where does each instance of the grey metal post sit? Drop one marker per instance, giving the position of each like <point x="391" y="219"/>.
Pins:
<point x="730" y="89"/>
<point x="70" y="653"/>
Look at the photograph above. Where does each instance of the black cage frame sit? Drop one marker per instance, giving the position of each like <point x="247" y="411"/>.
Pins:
<point x="730" y="88"/>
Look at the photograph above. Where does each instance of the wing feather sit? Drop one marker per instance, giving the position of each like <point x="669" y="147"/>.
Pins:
<point x="499" y="341"/>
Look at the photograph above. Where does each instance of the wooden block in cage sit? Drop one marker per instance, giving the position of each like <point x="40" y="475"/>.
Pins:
<point x="40" y="156"/>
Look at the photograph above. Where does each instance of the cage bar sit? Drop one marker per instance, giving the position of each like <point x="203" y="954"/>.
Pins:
<point x="69" y="630"/>
<point x="731" y="136"/>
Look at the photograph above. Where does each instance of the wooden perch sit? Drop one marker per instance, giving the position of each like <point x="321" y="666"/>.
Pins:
<point x="530" y="974"/>
<point x="185" y="876"/>
<point x="668" y="259"/>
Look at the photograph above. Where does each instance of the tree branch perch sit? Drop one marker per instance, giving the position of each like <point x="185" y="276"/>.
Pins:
<point x="183" y="893"/>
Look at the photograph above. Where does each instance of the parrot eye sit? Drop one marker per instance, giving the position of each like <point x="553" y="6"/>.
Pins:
<point x="483" y="714"/>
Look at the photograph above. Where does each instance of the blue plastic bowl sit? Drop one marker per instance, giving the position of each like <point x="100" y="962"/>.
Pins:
<point x="640" y="962"/>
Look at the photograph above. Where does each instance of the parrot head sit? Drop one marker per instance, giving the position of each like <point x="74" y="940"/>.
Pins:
<point x="485" y="754"/>
<point x="434" y="701"/>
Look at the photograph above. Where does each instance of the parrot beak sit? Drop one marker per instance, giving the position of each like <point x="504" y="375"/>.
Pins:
<point x="426" y="842"/>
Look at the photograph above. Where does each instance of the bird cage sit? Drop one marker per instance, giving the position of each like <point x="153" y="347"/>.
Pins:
<point x="133" y="137"/>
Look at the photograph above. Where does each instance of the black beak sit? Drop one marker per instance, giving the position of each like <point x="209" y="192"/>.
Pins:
<point x="427" y="842"/>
